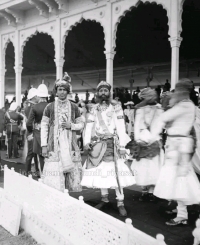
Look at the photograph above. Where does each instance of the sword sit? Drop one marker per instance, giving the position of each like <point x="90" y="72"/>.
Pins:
<point x="39" y="165"/>
<point x="116" y="167"/>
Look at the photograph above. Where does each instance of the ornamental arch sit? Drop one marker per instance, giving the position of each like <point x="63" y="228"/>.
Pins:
<point x="38" y="54"/>
<point x="190" y="45"/>
<point x="84" y="54"/>
<point x="9" y="70"/>
<point x="142" y="45"/>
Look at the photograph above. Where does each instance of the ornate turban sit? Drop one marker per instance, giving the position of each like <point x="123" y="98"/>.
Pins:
<point x="103" y="84"/>
<point x="149" y="95"/>
<point x="64" y="82"/>
<point x="184" y="86"/>
<point x="182" y="91"/>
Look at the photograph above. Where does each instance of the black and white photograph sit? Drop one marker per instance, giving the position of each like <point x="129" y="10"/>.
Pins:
<point x="99" y="122"/>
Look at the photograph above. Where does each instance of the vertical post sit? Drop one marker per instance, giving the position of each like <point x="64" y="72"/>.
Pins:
<point x="110" y="53"/>
<point x="59" y="67"/>
<point x="2" y="75"/>
<point x="175" y="41"/>
<point x="175" y="45"/>
<point x="2" y="87"/>
<point x="18" y="84"/>
<point x="109" y="68"/>
<point x="18" y="68"/>
<point x="131" y="87"/>
<point x="59" y="60"/>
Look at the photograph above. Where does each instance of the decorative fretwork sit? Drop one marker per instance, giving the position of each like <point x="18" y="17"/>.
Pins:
<point x="10" y="19"/>
<point x="17" y="14"/>
<point x="41" y="7"/>
<point x="53" y="7"/>
<point x="63" y="5"/>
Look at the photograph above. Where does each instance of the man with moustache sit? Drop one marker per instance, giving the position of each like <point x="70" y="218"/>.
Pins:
<point x="105" y="140"/>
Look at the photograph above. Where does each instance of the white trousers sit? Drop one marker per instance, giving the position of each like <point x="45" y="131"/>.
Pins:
<point x="119" y="197"/>
<point x="182" y="210"/>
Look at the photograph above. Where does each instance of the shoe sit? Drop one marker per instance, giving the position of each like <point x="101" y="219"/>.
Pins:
<point x="100" y="205"/>
<point x="122" y="211"/>
<point x="175" y="223"/>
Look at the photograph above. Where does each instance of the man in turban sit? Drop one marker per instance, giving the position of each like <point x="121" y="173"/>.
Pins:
<point x="148" y="153"/>
<point x="61" y="119"/>
<point x="105" y="140"/>
<point x="177" y="180"/>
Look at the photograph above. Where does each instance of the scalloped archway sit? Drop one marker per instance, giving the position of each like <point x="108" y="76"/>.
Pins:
<point x="84" y="53"/>
<point x="128" y="8"/>
<point x="190" y="45"/>
<point x="142" y="43"/>
<point x="38" y="53"/>
<point x="9" y="62"/>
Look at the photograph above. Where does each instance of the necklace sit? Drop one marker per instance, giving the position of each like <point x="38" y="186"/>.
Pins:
<point x="103" y="107"/>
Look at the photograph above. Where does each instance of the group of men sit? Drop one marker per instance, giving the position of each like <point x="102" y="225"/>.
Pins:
<point x="164" y="172"/>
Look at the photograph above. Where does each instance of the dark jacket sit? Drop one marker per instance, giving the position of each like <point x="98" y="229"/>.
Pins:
<point x="12" y="121"/>
<point x="2" y="120"/>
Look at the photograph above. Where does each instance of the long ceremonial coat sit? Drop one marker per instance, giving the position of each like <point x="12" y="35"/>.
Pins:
<point x="50" y="132"/>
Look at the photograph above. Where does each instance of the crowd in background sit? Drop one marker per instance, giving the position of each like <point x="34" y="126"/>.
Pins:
<point x="129" y="99"/>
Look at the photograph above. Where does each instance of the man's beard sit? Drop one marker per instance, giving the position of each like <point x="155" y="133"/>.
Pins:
<point x="103" y="98"/>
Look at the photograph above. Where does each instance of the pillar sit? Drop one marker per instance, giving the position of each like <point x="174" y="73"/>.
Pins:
<point x="18" y="84"/>
<point x="2" y="87"/>
<point x="59" y="60"/>
<point x="18" y="68"/>
<point x="109" y="67"/>
<point x="2" y="75"/>
<point x="175" y="40"/>
<point x="109" y="53"/>
<point x="175" y="45"/>
<point x="59" y="67"/>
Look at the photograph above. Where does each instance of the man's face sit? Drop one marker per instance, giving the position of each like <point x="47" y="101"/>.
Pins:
<point x="62" y="93"/>
<point x="104" y="94"/>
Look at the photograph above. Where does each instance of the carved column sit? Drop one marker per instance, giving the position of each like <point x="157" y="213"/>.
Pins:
<point x="18" y="84"/>
<point x="110" y="53"/>
<point x="59" y="67"/>
<point x="175" y="45"/>
<point x="109" y="67"/>
<point x="18" y="69"/>
<point x="2" y="87"/>
<point x="59" y="60"/>
<point x="175" y="40"/>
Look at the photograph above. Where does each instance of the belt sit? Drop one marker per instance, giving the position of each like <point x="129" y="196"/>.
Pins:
<point x="12" y="124"/>
<point x="178" y="136"/>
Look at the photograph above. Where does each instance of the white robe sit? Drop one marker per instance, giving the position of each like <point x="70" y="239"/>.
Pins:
<point x="104" y="176"/>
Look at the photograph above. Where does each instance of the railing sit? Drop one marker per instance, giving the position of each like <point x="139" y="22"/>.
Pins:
<point x="54" y="218"/>
<point x="5" y="1"/>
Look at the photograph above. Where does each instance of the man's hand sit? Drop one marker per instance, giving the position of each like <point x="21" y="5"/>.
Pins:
<point x="0" y="134"/>
<point x="88" y="147"/>
<point x="30" y="137"/>
<point x="44" y="151"/>
<point x="66" y="125"/>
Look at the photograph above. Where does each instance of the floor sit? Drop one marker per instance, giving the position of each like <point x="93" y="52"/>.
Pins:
<point x="146" y="216"/>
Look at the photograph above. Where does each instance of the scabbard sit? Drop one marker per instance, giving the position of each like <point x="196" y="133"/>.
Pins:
<point x="116" y="167"/>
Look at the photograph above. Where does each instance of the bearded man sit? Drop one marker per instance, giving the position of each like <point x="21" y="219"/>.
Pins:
<point x="61" y="119"/>
<point x="105" y="140"/>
